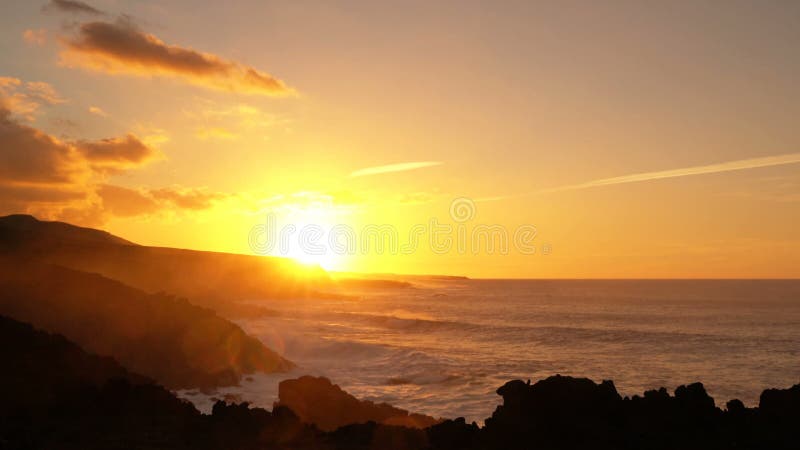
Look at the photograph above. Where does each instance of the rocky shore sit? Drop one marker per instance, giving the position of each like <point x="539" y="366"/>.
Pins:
<point x="57" y="396"/>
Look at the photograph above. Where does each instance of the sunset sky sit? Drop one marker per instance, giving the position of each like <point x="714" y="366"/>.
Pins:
<point x="640" y="139"/>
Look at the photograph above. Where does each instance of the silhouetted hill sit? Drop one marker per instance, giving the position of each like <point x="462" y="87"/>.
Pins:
<point x="24" y="231"/>
<point x="174" y="342"/>
<point x="55" y="395"/>
<point x="316" y="400"/>
<point x="39" y="366"/>
<point x="217" y="280"/>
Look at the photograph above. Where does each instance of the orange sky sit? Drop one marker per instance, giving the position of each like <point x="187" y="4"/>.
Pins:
<point x="637" y="140"/>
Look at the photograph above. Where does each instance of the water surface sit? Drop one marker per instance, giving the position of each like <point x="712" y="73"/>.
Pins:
<point x="444" y="346"/>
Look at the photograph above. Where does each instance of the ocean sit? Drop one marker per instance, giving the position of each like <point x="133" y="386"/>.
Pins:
<point x="443" y="346"/>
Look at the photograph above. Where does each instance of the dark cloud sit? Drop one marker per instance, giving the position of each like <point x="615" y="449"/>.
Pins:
<point x="30" y="156"/>
<point x="41" y="193"/>
<point x="28" y="198"/>
<point x="66" y="180"/>
<point x="120" y="47"/>
<point x="116" y="154"/>
<point x="73" y="7"/>
<point x="53" y="178"/>
<point x="102" y="202"/>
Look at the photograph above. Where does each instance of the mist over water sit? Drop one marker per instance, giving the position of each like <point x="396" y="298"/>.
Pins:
<point x="443" y="347"/>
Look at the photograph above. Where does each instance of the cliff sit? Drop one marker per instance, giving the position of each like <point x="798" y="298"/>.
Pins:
<point x="168" y="339"/>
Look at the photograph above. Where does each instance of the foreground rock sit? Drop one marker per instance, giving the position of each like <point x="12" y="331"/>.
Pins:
<point x="576" y="413"/>
<point x="316" y="400"/>
<point x="38" y="367"/>
<point x="175" y="343"/>
<point x="56" y="396"/>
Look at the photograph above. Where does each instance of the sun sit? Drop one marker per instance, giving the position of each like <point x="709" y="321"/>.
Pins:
<point x="327" y="260"/>
<point x="302" y="231"/>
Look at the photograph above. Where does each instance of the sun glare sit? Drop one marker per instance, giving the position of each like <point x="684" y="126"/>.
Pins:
<point x="302" y="234"/>
<point x="327" y="261"/>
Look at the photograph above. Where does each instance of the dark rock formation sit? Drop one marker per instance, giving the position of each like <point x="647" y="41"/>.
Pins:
<point x="556" y="411"/>
<point x="167" y="339"/>
<point x="56" y="396"/>
<point x="576" y="413"/>
<point x="454" y="434"/>
<point x="374" y="436"/>
<point x="38" y="367"/>
<point x="316" y="400"/>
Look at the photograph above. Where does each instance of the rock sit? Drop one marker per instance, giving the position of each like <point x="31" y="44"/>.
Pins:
<point x="178" y="344"/>
<point x="781" y="403"/>
<point x="316" y="400"/>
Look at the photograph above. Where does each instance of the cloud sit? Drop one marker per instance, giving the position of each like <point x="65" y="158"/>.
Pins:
<point x="39" y="170"/>
<point x="125" y="202"/>
<point x="151" y="135"/>
<point x="206" y="133"/>
<point x="97" y="111"/>
<point x="729" y="166"/>
<point x="227" y="122"/>
<point x="242" y="115"/>
<point x="35" y="37"/>
<point x="400" y="167"/>
<point x="43" y="92"/>
<point x="8" y="82"/>
<point x="40" y="193"/>
<point x="120" y="47"/>
<point x="107" y="201"/>
<point x="67" y="180"/>
<point x="24" y="99"/>
<point x="72" y="7"/>
<point x="26" y="198"/>
<point x="116" y="154"/>
<point x="21" y="106"/>
<point x="28" y="155"/>
<point x="187" y="198"/>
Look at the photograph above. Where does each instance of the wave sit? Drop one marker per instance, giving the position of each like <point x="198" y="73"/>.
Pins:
<point x="423" y="379"/>
<point x="542" y="334"/>
<point x="391" y="321"/>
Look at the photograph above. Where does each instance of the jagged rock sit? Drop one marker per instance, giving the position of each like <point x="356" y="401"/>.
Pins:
<point x="56" y="395"/>
<point x="781" y="403"/>
<point x="316" y="400"/>
<point x="453" y="434"/>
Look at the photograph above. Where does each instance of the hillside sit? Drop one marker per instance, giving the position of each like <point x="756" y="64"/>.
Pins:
<point x="168" y="339"/>
<point x="35" y="356"/>
<point x="213" y="279"/>
<point x="21" y="231"/>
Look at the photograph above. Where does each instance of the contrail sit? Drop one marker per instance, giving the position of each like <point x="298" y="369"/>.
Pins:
<point x="729" y="166"/>
<point x="400" y="167"/>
